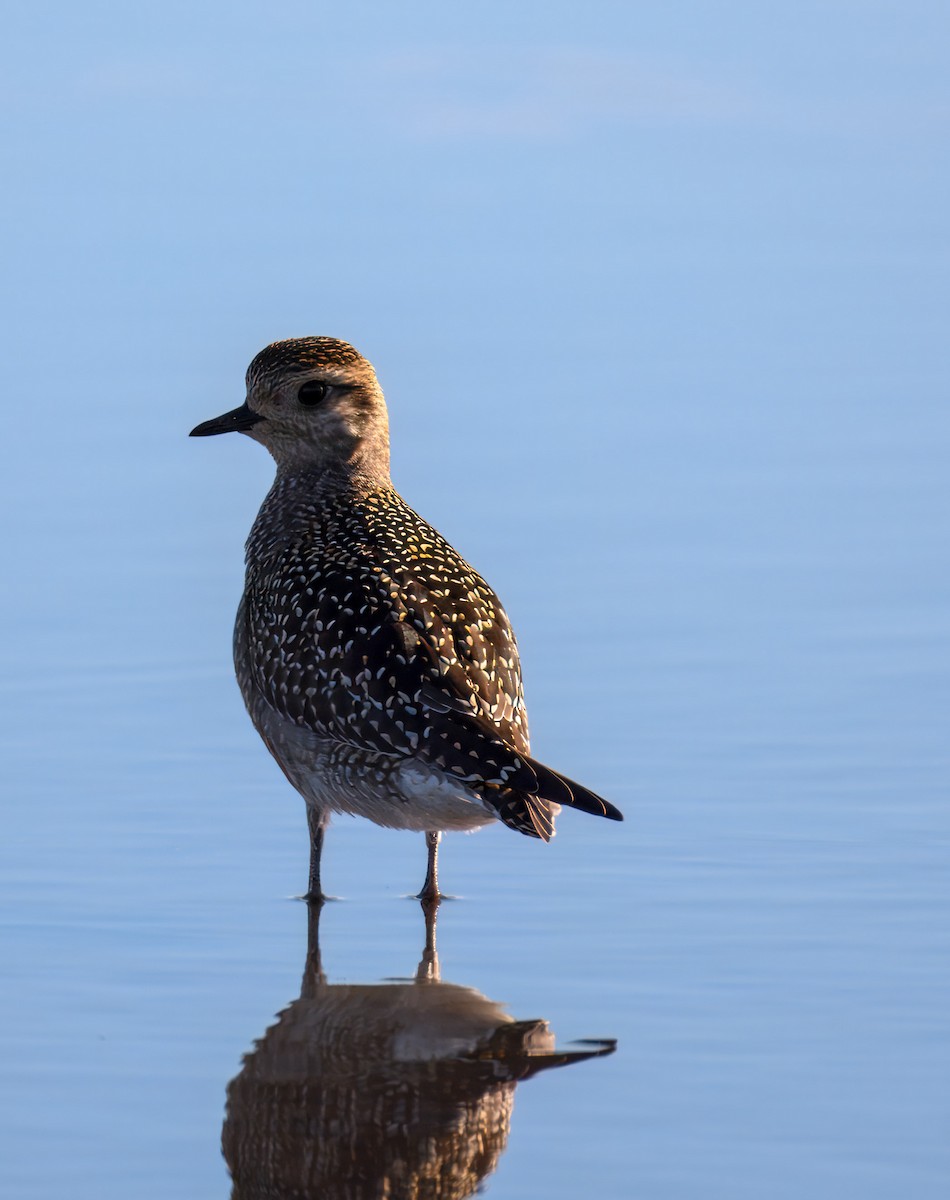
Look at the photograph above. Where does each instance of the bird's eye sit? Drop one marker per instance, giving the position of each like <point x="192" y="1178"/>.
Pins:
<point x="312" y="393"/>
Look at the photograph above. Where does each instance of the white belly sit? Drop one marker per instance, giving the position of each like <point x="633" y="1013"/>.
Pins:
<point x="395" y="792"/>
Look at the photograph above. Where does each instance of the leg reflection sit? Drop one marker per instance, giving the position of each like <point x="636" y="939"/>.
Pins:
<point x="391" y="1089"/>
<point x="429" y="965"/>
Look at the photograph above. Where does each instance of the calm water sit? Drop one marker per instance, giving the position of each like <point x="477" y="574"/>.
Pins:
<point x="757" y="679"/>
<point x="661" y="322"/>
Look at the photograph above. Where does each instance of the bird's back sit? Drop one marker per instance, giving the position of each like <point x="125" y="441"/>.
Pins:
<point x="362" y="624"/>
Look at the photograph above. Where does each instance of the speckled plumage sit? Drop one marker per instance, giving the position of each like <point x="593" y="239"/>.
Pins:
<point x="379" y="667"/>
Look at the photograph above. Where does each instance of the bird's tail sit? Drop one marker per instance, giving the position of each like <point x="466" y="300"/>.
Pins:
<point x="533" y="813"/>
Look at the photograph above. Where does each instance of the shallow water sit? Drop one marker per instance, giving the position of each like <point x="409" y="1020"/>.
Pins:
<point x="657" y="304"/>
<point x="756" y="681"/>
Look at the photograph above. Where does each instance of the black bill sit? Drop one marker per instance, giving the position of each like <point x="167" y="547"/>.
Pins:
<point x="238" y="420"/>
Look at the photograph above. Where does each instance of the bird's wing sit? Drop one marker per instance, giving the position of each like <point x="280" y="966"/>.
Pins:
<point x="457" y="615"/>
<point x="401" y="658"/>
<point x="408" y="660"/>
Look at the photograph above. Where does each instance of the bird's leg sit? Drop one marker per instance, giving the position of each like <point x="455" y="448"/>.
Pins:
<point x="429" y="971"/>
<point x="430" y="893"/>
<point x="316" y="823"/>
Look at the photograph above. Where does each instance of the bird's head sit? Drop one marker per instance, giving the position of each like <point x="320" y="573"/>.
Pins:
<point x="315" y="403"/>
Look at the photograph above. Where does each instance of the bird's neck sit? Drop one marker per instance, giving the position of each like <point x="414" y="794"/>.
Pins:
<point x="347" y="464"/>
<point x="358" y="476"/>
<point x="305" y="504"/>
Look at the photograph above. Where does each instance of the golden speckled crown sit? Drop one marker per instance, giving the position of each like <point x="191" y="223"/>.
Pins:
<point x="301" y="354"/>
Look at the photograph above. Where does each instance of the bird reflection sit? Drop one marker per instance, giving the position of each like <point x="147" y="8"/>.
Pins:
<point x="395" y="1090"/>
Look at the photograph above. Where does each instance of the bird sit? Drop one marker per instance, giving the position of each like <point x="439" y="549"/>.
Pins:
<point x="379" y="668"/>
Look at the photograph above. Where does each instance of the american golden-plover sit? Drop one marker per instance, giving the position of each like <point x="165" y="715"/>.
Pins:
<point x="379" y="668"/>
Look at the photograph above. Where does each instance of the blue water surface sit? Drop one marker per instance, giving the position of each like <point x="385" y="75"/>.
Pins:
<point x="658" y="297"/>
